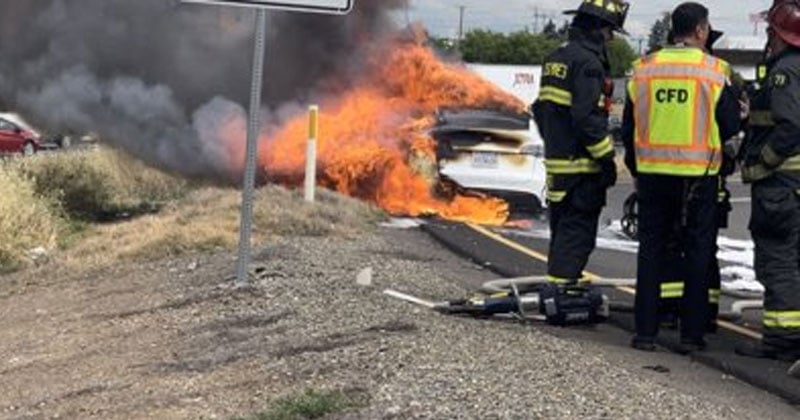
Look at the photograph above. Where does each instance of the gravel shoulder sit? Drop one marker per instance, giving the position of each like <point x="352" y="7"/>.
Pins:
<point x="172" y="339"/>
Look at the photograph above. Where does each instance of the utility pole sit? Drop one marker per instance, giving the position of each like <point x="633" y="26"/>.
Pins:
<point x="461" y="10"/>
<point x="536" y="20"/>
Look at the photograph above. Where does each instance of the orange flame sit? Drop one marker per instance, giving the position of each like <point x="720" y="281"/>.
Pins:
<point x="371" y="135"/>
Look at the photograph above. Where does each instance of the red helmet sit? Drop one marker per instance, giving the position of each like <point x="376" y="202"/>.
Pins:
<point x="784" y="19"/>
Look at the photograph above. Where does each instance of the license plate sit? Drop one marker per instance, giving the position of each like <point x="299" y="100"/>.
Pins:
<point x="484" y="160"/>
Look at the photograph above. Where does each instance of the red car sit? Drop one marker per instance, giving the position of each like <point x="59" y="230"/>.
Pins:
<point x="16" y="136"/>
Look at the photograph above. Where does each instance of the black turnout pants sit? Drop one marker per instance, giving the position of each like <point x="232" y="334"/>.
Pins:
<point x="573" y="229"/>
<point x="775" y="226"/>
<point x="665" y="201"/>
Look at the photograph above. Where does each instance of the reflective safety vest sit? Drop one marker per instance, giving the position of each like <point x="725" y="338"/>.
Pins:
<point x="675" y="92"/>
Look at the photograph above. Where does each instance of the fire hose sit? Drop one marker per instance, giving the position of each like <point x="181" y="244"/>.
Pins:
<point x="535" y="298"/>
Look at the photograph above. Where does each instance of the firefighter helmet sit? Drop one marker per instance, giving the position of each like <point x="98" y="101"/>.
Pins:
<point x="613" y="12"/>
<point x="784" y="18"/>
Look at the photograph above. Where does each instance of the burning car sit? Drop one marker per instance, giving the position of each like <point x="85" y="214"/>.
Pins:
<point x="17" y="136"/>
<point x="494" y="152"/>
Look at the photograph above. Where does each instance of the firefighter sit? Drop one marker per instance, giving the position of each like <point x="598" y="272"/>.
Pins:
<point x="679" y="109"/>
<point x="772" y="166"/>
<point x="571" y="113"/>
<point x="672" y="283"/>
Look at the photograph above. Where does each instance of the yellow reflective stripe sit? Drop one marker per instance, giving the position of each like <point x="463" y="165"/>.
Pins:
<point x="556" y="196"/>
<point x="571" y="166"/>
<point x="602" y="148"/>
<point x="782" y="314"/>
<point x="674" y="69"/>
<point x="557" y="280"/>
<point x="561" y="280"/>
<point x="782" y="319"/>
<point x="678" y="154"/>
<point x="781" y="324"/>
<point x="714" y="296"/>
<point x="671" y="290"/>
<point x="695" y="169"/>
<point x="762" y="72"/>
<point x="791" y="164"/>
<point x="555" y="95"/>
<point x="674" y="290"/>
<point x="761" y="119"/>
<point x="770" y="157"/>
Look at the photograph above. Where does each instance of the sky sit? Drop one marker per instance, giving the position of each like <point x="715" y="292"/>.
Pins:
<point x="441" y="16"/>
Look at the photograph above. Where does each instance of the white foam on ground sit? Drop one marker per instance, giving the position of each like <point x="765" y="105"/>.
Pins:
<point x="402" y="223"/>
<point x="738" y="278"/>
<point x="734" y="254"/>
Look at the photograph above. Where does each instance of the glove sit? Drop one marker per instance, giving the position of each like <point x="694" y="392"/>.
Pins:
<point x="608" y="172"/>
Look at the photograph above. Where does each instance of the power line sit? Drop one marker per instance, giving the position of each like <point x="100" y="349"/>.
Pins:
<point x="461" y="10"/>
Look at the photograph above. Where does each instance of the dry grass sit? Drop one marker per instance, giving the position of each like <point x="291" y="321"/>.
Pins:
<point x="53" y="199"/>
<point x="26" y="221"/>
<point x="208" y="219"/>
<point x="100" y="183"/>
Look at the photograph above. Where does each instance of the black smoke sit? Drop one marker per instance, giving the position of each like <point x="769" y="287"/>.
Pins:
<point x="154" y="77"/>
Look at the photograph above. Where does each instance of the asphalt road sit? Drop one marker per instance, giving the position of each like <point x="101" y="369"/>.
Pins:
<point x="517" y="254"/>
<point x="739" y="217"/>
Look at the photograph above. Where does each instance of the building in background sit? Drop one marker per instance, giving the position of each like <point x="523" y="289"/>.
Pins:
<point x="743" y="53"/>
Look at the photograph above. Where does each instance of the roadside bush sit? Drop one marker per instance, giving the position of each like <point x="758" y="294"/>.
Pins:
<point x="52" y="200"/>
<point x="207" y="219"/>
<point x="100" y="184"/>
<point x="313" y="404"/>
<point x="26" y="221"/>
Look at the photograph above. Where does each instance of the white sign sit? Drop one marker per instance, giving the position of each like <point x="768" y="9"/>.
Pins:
<point x="333" y="7"/>
<point x="520" y="81"/>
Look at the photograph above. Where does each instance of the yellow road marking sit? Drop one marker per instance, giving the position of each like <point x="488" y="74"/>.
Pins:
<point x="591" y="276"/>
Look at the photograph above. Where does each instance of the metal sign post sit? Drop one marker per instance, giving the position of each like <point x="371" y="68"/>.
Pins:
<point x="332" y="7"/>
<point x="253" y="128"/>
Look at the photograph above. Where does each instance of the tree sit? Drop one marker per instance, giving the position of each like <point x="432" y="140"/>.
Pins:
<point x="550" y="29"/>
<point x="480" y="46"/>
<point x="659" y="32"/>
<point x="563" y="31"/>
<point x="621" y="57"/>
